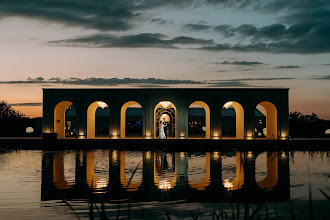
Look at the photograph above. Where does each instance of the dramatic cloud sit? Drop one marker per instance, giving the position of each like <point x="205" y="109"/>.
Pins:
<point x="149" y="82"/>
<point x="138" y="40"/>
<point x="245" y="63"/>
<point x="197" y="27"/>
<point x="288" y="67"/>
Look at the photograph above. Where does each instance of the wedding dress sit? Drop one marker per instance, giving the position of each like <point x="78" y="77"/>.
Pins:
<point x="162" y="133"/>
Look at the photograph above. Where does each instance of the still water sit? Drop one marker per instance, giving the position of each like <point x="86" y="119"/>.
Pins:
<point x="163" y="185"/>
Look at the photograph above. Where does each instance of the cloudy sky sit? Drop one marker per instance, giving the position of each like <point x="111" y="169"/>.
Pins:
<point x="165" y="43"/>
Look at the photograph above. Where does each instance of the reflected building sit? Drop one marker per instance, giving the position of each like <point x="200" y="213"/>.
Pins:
<point x="161" y="176"/>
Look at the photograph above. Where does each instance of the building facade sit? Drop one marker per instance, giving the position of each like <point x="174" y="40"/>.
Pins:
<point x="172" y="105"/>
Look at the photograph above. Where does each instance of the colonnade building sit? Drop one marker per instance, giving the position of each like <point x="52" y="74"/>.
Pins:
<point x="170" y="104"/>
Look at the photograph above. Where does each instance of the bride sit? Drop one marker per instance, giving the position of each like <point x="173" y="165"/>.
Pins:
<point x="162" y="130"/>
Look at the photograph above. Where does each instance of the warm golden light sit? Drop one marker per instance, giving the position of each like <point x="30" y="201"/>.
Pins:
<point x="165" y="104"/>
<point x="283" y="155"/>
<point x="102" y="105"/>
<point x="216" y="155"/>
<point x="227" y="104"/>
<point x="114" y="156"/>
<point x="182" y="155"/>
<point x="148" y="155"/>
<point x="165" y="184"/>
<point x="102" y="183"/>
<point x="228" y="184"/>
<point x="249" y="155"/>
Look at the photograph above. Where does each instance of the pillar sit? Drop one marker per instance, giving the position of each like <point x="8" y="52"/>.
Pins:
<point x="182" y="120"/>
<point x="148" y="118"/>
<point x="114" y="128"/>
<point x="216" y="126"/>
<point x="249" y="122"/>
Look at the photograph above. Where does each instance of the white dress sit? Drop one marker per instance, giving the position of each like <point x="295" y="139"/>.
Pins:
<point x="162" y="133"/>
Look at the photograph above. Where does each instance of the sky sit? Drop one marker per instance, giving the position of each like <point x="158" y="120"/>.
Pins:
<point x="165" y="43"/>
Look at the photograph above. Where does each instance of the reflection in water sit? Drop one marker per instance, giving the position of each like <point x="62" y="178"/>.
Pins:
<point x="145" y="176"/>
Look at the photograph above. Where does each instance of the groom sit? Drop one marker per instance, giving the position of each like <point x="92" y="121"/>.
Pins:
<point x="165" y="127"/>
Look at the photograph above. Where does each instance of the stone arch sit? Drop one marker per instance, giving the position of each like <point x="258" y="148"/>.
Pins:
<point x="128" y="184"/>
<point x="271" y="119"/>
<point x="202" y="184"/>
<point x="59" y="118"/>
<point x="123" y="117"/>
<point x="239" y="111"/>
<point x="207" y="117"/>
<point x="166" y="107"/>
<point x="91" y="117"/>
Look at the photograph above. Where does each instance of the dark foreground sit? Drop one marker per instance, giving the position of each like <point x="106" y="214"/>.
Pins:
<point x="169" y="145"/>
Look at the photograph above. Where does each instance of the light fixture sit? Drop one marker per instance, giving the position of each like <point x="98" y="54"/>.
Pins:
<point x="102" y="105"/>
<point x="227" y="104"/>
<point x="29" y="130"/>
<point x="216" y="155"/>
<point x="165" y="104"/>
<point x="165" y="184"/>
<point x="227" y="184"/>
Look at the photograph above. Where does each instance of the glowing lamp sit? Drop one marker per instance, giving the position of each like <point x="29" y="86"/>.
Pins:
<point x="227" y="104"/>
<point x="148" y="155"/>
<point x="165" y="104"/>
<point x="249" y="155"/>
<point x="228" y="184"/>
<point x="29" y="130"/>
<point x="216" y="155"/>
<point x="102" y="105"/>
<point x="165" y="184"/>
<point x="327" y="132"/>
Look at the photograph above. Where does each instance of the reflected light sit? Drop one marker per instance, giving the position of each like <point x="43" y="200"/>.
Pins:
<point x="102" y="183"/>
<point x="216" y="155"/>
<point x="227" y="104"/>
<point x="283" y="155"/>
<point x="114" y="156"/>
<point x="102" y="105"/>
<point x="182" y="155"/>
<point x="165" y="104"/>
<point x="228" y="184"/>
<point x="165" y="184"/>
<point x="148" y="155"/>
<point x="249" y="155"/>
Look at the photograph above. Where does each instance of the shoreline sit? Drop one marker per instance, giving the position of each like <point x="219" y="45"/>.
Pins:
<point x="199" y="145"/>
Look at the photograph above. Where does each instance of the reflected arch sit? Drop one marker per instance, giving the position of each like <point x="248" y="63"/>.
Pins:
<point x="271" y="178"/>
<point x="168" y="109"/>
<point x="91" y="118"/>
<point x="123" y="117"/>
<point x="271" y="119"/>
<point x="59" y="118"/>
<point x="239" y="117"/>
<point x="207" y="117"/>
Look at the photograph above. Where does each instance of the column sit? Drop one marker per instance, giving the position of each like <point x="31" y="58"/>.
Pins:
<point x="216" y="122"/>
<point x="148" y="119"/>
<point x="114" y="127"/>
<point x="81" y="117"/>
<point x="182" y="120"/>
<point x="249" y="122"/>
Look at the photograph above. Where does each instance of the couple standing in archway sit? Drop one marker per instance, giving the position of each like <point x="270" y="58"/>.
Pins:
<point x="163" y="129"/>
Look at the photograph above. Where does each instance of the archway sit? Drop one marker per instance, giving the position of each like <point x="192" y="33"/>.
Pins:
<point x="199" y="180"/>
<point x="233" y="120"/>
<point x="266" y="120"/>
<point x="167" y="110"/>
<point x="271" y="175"/>
<point x="98" y="120"/>
<point x="62" y="127"/>
<point x="199" y="120"/>
<point x="131" y="118"/>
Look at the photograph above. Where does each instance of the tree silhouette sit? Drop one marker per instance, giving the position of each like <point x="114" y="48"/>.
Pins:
<point x="307" y="125"/>
<point x="7" y="112"/>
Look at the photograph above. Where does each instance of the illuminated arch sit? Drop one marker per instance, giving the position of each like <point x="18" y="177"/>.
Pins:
<point x="133" y="186"/>
<point x="207" y="117"/>
<point x="239" y="111"/>
<point x="271" y="119"/>
<point x="91" y="117"/>
<point x="58" y="172"/>
<point x="164" y="184"/>
<point x="272" y="172"/>
<point x="206" y="181"/>
<point x="165" y="105"/>
<point x="59" y="118"/>
<point x="123" y="117"/>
